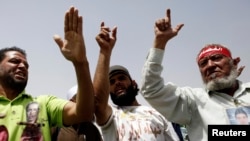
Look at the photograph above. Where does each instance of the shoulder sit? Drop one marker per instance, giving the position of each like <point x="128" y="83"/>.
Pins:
<point x="51" y="101"/>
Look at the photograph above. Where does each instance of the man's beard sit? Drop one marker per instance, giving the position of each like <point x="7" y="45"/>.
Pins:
<point x="125" y="99"/>
<point x="11" y="83"/>
<point x="222" y="83"/>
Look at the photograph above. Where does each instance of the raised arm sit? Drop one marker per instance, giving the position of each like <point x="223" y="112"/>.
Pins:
<point x="101" y="78"/>
<point x="73" y="49"/>
<point x="164" y="31"/>
<point x="153" y="88"/>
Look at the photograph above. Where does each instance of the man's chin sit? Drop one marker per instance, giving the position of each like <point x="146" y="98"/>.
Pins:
<point x="214" y="78"/>
<point x="218" y="84"/>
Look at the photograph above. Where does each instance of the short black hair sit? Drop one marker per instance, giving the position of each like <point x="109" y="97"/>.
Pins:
<point x="13" y="48"/>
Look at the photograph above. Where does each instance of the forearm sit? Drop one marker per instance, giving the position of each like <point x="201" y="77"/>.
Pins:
<point x="85" y="94"/>
<point x="151" y="73"/>
<point x="101" y="87"/>
<point x="164" y="97"/>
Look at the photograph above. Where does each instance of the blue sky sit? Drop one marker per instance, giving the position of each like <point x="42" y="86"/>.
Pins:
<point x="31" y="25"/>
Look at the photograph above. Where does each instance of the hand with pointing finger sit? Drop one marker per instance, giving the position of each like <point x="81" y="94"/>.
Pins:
<point x="164" y="30"/>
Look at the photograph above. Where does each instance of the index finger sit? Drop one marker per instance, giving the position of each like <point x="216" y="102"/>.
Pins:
<point x="168" y="16"/>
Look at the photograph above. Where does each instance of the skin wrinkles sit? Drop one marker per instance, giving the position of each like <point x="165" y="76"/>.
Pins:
<point x="14" y="72"/>
<point x="21" y="64"/>
<point x="217" y="66"/>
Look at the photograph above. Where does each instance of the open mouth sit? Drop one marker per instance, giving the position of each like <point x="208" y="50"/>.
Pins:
<point x="20" y="75"/>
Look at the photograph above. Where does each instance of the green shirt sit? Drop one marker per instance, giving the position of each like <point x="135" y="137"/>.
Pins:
<point x="28" y="117"/>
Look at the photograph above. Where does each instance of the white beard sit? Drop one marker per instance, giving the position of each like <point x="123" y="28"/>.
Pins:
<point x="222" y="83"/>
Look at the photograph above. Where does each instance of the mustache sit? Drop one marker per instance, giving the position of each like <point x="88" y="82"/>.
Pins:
<point x="213" y="76"/>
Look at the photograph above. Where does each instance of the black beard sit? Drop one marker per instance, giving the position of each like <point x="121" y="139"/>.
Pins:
<point x="11" y="83"/>
<point x="127" y="98"/>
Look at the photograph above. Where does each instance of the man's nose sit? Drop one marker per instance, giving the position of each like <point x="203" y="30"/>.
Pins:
<point x="22" y="65"/>
<point x="210" y="63"/>
<point x="117" y="82"/>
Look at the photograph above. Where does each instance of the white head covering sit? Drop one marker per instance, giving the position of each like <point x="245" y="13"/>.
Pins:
<point x="72" y="92"/>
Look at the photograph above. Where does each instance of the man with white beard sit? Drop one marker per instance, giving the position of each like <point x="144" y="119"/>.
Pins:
<point x="194" y="107"/>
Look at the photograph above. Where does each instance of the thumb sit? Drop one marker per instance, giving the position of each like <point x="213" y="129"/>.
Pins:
<point x="114" y="31"/>
<point x="58" y="40"/>
<point x="240" y="70"/>
<point x="178" y="27"/>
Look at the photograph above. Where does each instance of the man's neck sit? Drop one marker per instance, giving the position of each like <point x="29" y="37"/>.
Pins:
<point x="135" y="103"/>
<point x="230" y="91"/>
<point x="8" y="93"/>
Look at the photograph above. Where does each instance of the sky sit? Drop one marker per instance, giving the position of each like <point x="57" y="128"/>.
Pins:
<point x="31" y="25"/>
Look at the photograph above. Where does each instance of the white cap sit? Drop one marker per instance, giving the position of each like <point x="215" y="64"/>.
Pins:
<point x="72" y="92"/>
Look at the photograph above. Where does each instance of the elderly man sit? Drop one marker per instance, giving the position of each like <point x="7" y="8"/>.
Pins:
<point x="194" y="107"/>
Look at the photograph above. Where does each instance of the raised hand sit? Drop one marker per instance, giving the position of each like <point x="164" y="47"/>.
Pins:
<point x="241" y="68"/>
<point x="164" y="31"/>
<point x="73" y="46"/>
<point x="105" y="39"/>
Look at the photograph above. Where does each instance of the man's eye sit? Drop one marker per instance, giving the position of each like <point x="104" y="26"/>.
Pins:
<point x="111" y="82"/>
<point x="202" y="62"/>
<point x="216" y="57"/>
<point x="14" y="61"/>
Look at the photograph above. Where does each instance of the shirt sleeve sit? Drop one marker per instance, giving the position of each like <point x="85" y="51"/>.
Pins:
<point x="54" y="109"/>
<point x="167" y="98"/>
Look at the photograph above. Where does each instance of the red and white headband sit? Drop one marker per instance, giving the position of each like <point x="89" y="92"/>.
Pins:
<point x="213" y="49"/>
